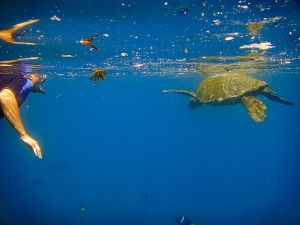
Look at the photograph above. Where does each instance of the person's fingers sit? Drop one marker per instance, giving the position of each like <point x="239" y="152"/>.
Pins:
<point x="40" y="154"/>
<point x="33" y="144"/>
<point x="37" y="150"/>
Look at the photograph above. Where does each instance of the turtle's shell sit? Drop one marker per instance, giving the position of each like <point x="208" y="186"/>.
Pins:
<point x="227" y="87"/>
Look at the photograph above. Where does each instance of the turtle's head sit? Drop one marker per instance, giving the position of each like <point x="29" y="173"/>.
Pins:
<point x="37" y="81"/>
<point x="194" y="103"/>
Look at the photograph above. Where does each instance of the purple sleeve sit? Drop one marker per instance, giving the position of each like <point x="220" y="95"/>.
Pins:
<point x="13" y="82"/>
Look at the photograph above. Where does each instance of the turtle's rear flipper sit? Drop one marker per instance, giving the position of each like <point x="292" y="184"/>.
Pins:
<point x="255" y="107"/>
<point x="273" y="96"/>
<point x="192" y="94"/>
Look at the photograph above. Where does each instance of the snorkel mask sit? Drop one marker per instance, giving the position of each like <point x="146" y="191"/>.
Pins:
<point x="37" y="81"/>
<point x="39" y="86"/>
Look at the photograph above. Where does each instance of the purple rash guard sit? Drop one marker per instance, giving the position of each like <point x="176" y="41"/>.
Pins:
<point x="18" y="84"/>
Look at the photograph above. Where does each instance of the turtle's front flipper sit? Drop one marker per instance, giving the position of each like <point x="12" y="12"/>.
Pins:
<point x="192" y="94"/>
<point x="255" y="107"/>
<point x="273" y="96"/>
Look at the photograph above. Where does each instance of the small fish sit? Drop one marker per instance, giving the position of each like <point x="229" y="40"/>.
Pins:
<point x="88" y="41"/>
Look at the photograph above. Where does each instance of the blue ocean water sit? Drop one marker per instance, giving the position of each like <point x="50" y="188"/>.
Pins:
<point x="123" y="152"/>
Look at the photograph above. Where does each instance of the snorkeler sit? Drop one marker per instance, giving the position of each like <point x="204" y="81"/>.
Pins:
<point x="88" y="41"/>
<point x="9" y="34"/>
<point x="13" y="91"/>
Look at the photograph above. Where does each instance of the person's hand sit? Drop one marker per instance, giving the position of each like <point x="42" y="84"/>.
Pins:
<point x="33" y="144"/>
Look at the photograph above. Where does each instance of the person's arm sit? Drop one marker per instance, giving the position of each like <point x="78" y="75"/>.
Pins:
<point x="9" y="106"/>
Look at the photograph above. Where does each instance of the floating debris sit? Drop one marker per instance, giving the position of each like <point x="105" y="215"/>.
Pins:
<point x="228" y="35"/>
<point x="139" y="65"/>
<point x="41" y="37"/>
<point x="67" y="56"/>
<point x="233" y="34"/>
<point x="166" y="4"/>
<point x="217" y="22"/>
<point x="261" y="46"/>
<point x="106" y="35"/>
<point x="124" y="54"/>
<point x="55" y="18"/>
<point x="98" y="74"/>
<point x="244" y="7"/>
<point x="229" y="38"/>
<point x="262" y="8"/>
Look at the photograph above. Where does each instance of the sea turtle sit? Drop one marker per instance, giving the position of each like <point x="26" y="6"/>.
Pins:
<point x="233" y="88"/>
